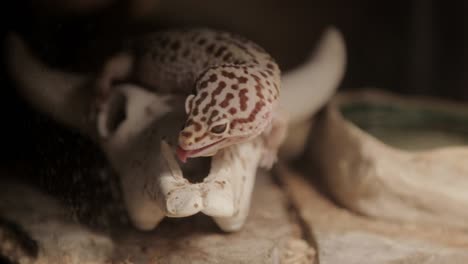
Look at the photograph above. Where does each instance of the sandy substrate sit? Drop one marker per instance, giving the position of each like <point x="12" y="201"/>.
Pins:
<point x="271" y="234"/>
<point x="289" y="222"/>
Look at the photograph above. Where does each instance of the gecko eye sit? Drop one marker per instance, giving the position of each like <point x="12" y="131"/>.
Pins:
<point x="219" y="129"/>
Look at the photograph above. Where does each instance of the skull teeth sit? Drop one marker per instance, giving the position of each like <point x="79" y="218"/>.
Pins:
<point x="224" y="195"/>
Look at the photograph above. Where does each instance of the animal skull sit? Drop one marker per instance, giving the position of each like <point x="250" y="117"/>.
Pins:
<point x="136" y="127"/>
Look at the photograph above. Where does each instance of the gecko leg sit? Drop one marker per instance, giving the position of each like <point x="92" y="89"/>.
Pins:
<point x="273" y="138"/>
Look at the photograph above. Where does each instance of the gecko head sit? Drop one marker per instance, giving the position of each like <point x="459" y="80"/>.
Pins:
<point x="211" y="127"/>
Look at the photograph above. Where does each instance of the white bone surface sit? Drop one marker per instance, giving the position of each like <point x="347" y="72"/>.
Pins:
<point x="308" y="88"/>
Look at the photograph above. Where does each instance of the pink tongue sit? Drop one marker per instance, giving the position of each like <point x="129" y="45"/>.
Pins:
<point x="182" y="154"/>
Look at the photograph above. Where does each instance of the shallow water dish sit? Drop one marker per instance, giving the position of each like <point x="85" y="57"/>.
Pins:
<point x="396" y="158"/>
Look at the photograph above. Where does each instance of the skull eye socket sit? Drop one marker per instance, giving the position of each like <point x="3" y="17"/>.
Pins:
<point x="219" y="129"/>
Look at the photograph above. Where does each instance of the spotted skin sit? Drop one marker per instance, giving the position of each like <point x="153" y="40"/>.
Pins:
<point x="176" y="60"/>
<point x="232" y="94"/>
<point x="229" y="81"/>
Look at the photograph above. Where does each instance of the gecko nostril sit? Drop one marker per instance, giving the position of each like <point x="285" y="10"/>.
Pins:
<point x="186" y="134"/>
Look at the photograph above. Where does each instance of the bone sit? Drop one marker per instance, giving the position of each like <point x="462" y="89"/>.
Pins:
<point x="219" y="196"/>
<point x="61" y="95"/>
<point x="143" y="210"/>
<point x="181" y="198"/>
<point x="152" y="182"/>
<point x="308" y="87"/>
<point x="240" y="163"/>
<point x="134" y="153"/>
<point x="117" y="68"/>
<point x="134" y="108"/>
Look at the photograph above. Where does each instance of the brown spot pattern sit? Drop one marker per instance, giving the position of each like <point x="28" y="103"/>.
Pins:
<point x="243" y="98"/>
<point x="258" y="106"/>
<point x="225" y="102"/>
<point x="202" y="97"/>
<point x="213" y="115"/>
<point x="259" y="88"/>
<point x="227" y="56"/>
<point x="210" y="48"/>
<point x="220" y="51"/>
<point x="242" y="79"/>
<point x="227" y="74"/>
<point x="234" y="50"/>
<point x="222" y="84"/>
<point x="213" y="78"/>
<point x="198" y="139"/>
<point x="203" y="84"/>
<point x="216" y="92"/>
<point x="196" y="126"/>
<point x="186" y="134"/>
<point x="209" y="105"/>
<point x="255" y="77"/>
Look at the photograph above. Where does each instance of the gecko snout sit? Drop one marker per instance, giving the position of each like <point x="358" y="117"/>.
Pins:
<point x="186" y="139"/>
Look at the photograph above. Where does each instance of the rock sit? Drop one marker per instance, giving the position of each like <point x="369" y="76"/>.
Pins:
<point x="395" y="158"/>
<point x="59" y="238"/>
<point x="343" y="237"/>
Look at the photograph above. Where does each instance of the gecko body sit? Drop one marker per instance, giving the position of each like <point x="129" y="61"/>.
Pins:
<point x="232" y="86"/>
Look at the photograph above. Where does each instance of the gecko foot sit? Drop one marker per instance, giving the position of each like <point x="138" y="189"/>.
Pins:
<point x="268" y="159"/>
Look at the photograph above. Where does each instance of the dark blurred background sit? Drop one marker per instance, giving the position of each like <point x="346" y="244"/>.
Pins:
<point x="409" y="47"/>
